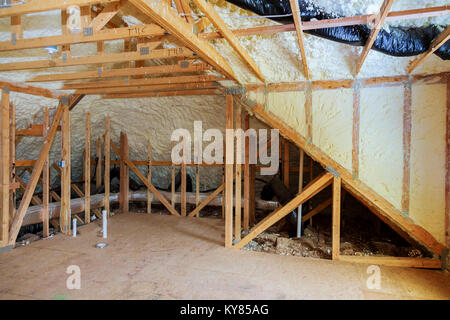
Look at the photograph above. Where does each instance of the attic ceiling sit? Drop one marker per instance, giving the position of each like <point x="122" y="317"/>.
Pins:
<point x="275" y="55"/>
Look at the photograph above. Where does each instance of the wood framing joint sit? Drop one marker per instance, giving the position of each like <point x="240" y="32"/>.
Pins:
<point x="333" y="171"/>
<point x="236" y="90"/>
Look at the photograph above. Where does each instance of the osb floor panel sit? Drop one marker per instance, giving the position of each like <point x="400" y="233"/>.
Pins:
<point x="165" y="257"/>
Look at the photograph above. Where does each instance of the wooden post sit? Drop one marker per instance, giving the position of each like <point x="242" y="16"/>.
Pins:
<point x="107" y="146"/>
<point x="173" y="182"/>
<point x="98" y="169"/>
<point x="45" y="177"/>
<point x="311" y="177"/>
<point x="229" y="155"/>
<point x="336" y="225"/>
<point x="149" y="176"/>
<point x="65" y="170"/>
<point x="197" y="189"/>
<point x="300" y="189"/>
<point x="245" y="219"/>
<point x="87" y="170"/>
<point x="4" y="165"/>
<point x="183" y="180"/>
<point x="286" y="164"/>
<point x="252" y="217"/>
<point x="12" y="162"/>
<point x="124" y="173"/>
<point x="238" y="205"/>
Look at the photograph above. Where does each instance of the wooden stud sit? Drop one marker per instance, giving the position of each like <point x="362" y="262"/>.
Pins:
<point x="295" y="9"/>
<point x="12" y="161"/>
<point x="300" y="189"/>
<point x="246" y="216"/>
<point x="4" y="165"/>
<point x="223" y="29"/>
<point x="45" y="178"/>
<point x="229" y="159"/>
<point x="173" y="181"/>
<point x="107" y="152"/>
<point x="406" y="148"/>
<point x="197" y="189"/>
<point x="355" y="134"/>
<point x="336" y="226"/>
<point x="124" y="173"/>
<point x="238" y="197"/>
<point x="65" y="216"/>
<point x="440" y="40"/>
<point x="87" y="169"/>
<point x="447" y="173"/>
<point x="183" y="179"/>
<point x="308" y="112"/>
<point x="149" y="176"/>
<point x="384" y="10"/>
<point x="310" y="190"/>
<point x="98" y="168"/>
<point x="286" y="163"/>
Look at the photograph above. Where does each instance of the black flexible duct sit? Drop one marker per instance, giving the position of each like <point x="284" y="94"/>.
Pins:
<point x="397" y="41"/>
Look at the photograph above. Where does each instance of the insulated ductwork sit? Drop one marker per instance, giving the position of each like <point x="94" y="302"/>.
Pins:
<point x="394" y="41"/>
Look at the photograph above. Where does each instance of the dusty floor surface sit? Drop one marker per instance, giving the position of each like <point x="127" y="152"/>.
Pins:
<point x="164" y="257"/>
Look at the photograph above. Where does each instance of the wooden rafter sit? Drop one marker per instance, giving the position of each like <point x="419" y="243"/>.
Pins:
<point x="107" y="58"/>
<point x="31" y="6"/>
<point x="161" y="13"/>
<point x="183" y="8"/>
<point x="217" y="21"/>
<point x="147" y="30"/>
<point x="440" y="40"/>
<point x="182" y="67"/>
<point x="198" y="92"/>
<point x="105" y="16"/>
<point x="332" y="23"/>
<point x="385" y="7"/>
<point x="142" y="82"/>
<point x="160" y="87"/>
<point x="298" y="28"/>
<point x="36" y="91"/>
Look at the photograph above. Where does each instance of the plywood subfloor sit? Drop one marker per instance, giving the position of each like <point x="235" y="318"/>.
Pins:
<point x="165" y="257"/>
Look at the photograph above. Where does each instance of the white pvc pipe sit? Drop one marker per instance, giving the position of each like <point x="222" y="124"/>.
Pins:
<point x="74" y="228"/>
<point x="105" y="224"/>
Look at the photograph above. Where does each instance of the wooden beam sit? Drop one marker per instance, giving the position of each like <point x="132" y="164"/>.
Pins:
<point x="87" y="169"/>
<point x="223" y="29"/>
<point x="149" y="176"/>
<point x="184" y="9"/>
<point x="406" y="147"/>
<point x="146" y="30"/>
<point x="194" y="92"/>
<point x="27" y="89"/>
<point x="440" y="40"/>
<point x="45" y="178"/>
<point x="238" y="183"/>
<point x="99" y="58"/>
<point x="4" y="166"/>
<point x="355" y="132"/>
<point x="336" y="223"/>
<point x="332" y="23"/>
<point x="151" y="88"/>
<point x="245" y="220"/>
<point x="98" y="168"/>
<point x="404" y="262"/>
<point x="65" y="223"/>
<point x="310" y="190"/>
<point x="142" y="82"/>
<point x="124" y="173"/>
<point x="48" y="5"/>
<point x="229" y="160"/>
<point x="385" y="7"/>
<point x="107" y="152"/>
<point x="37" y="169"/>
<point x="155" y="191"/>
<point x="12" y="161"/>
<point x="295" y="9"/>
<point x="162" y="14"/>
<point x="182" y="67"/>
<point x="105" y="16"/>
